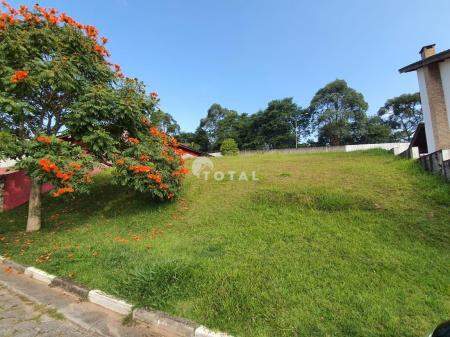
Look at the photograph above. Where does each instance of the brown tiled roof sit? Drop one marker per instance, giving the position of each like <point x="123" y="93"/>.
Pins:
<point x="188" y="148"/>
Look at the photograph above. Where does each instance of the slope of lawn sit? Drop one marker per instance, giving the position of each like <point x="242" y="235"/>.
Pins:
<point x="336" y="244"/>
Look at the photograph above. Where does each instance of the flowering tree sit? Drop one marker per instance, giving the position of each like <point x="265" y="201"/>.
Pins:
<point x="64" y="108"/>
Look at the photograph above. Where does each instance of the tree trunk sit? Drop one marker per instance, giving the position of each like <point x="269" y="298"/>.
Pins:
<point x="34" y="207"/>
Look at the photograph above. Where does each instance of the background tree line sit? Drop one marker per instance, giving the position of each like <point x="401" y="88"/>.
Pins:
<point x="337" y="115"/>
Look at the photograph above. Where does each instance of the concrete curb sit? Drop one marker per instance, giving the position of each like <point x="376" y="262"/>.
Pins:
<point x="173" y="326"/>
<point x="109" y="302"/>
<point x="202" y="331"/>
<point x="39" y="275"/>
<point x="71" y="287"/>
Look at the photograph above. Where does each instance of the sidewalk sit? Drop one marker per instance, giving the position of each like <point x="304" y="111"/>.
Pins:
<point x="30" y="308"/>
<point x="21" y="317"/>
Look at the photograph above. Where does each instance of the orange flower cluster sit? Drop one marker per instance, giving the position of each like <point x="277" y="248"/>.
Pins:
<point x="19" y="75"/>
<point x="62" y="190"/>
<point x="117" y="69"/>
<point x="144" y="157"/>
<point x="179" y="172"/>
<point x="48" y="166"/>
<point x="167" y="156"/>
<point x="75" y="166"/>
<point x="51" y="16"/>
<point x="91" y="32"/>
<point x="44" y="139"/>
<point x="133" y="140"/>
<point x="71" y="22"/>
<point x="64" y="176"/>
<point x="101" y="50"/>
<point x="155" y="177"/>
<point x="6" y="19"/>
<point x="154" y="95"/>
<point x="120" y="161"/>
<point x="173" y="142"/>
<point x="154" y="131"/>
<point x="140" y="169"/>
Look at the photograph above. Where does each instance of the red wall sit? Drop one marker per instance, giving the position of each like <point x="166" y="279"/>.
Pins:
<point x="186" y="151"/>
<point x="16" y="190"/>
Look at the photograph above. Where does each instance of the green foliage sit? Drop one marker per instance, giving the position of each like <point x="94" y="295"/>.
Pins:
<point x="219" y="124"/>
<point x="61" y="65"/>
<point x="338" y="112"/>
<point x="229" y="147"/>
<point x="10" y="147"/>
<point x="165" y="122"/>
<point x="377" y="131"/>
<point x="64" y="165"/>
<point x="151" y="166"/>
<point x="201" y="138"/>
<point x="189" y="139"/>
<point x="278" y="126"/>
<point x="60" y="98"/>
<point x="402" y="114"/>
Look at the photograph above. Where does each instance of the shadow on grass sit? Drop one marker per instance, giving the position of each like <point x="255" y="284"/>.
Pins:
<point x="105" y="201"/>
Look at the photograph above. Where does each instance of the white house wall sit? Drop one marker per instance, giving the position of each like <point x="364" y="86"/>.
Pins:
<point x="445" y="76"/>
<point x="426" y="111"/>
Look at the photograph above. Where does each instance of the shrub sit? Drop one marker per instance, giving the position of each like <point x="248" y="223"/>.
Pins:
<point x="229" y="147"/>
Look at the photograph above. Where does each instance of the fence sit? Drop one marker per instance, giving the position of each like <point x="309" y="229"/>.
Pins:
<point x="437" y="162"/>
<point x="345" y="148"/>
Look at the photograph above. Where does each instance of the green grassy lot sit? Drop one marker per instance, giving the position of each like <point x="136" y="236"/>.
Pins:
<point x="337" y="244"/>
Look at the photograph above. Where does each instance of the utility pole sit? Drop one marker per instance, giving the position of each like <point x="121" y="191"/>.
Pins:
<point x="296" y="133"/>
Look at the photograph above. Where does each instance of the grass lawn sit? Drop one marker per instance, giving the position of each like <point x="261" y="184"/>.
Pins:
<point x="332" y="244"/>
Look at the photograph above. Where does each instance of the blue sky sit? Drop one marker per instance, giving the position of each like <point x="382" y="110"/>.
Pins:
<point x="244" y="53"/>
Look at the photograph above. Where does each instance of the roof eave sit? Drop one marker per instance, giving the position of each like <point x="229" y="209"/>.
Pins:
<point x="442" y="56"/>
<point x="412" y="67"/>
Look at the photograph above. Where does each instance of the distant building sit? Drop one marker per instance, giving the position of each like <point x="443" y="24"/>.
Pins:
<point x="15" y="188"/>
<point x="433" y="72"/>
<point x="189" y="152"/>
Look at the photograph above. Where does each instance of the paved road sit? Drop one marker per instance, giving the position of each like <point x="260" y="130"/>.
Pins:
<point x="20" y="317"/>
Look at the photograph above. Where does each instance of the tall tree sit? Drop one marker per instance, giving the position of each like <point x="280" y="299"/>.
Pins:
<point x="202" y="139"/>
<point x="188" y="138"/>
<point x="376" y="131"/>
<point x="165" y="122"/>
<point x="338" y="114"/>
<point x="60" y="99"/>
<point x="220" y="123"/>
<point x="277" y="125"/>
<point x="403" y="114"/>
